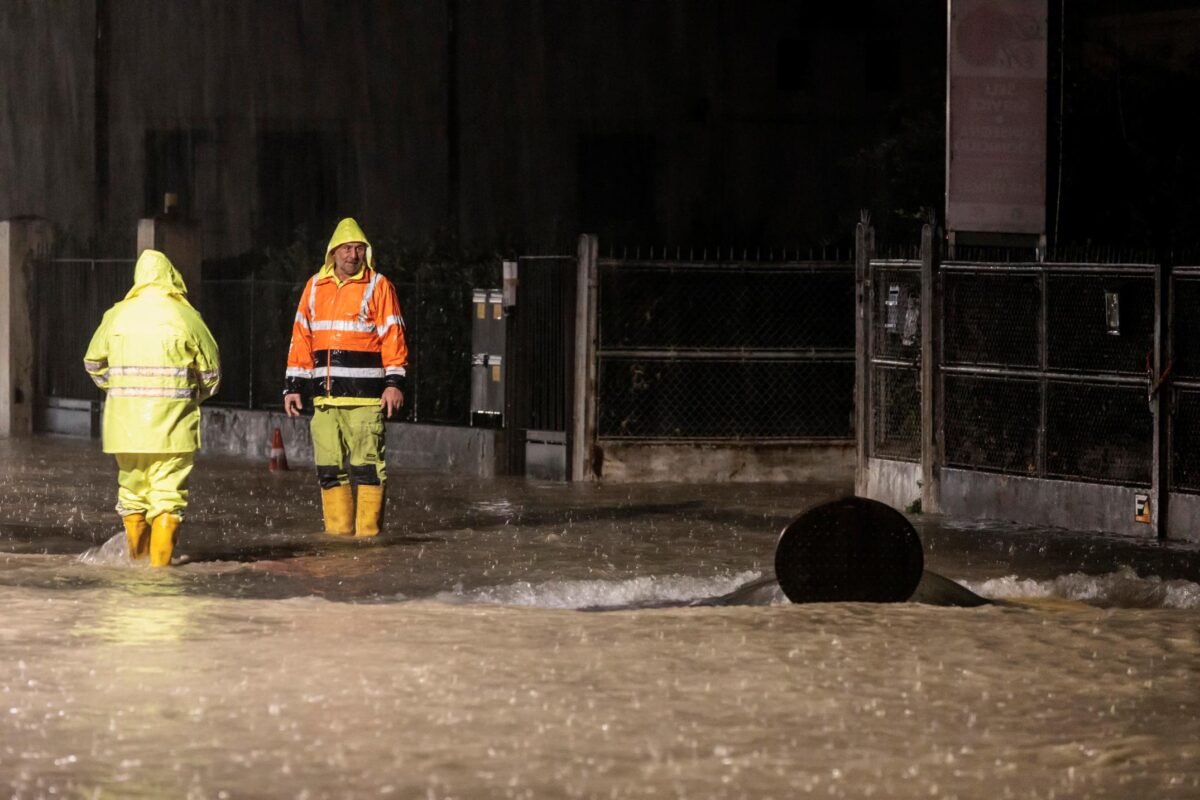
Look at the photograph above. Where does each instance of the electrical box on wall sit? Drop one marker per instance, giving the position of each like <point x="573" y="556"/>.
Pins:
<point x="487" y="358"/>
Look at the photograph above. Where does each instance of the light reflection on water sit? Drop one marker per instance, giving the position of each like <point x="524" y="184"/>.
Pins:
<point x="442" y="660"/>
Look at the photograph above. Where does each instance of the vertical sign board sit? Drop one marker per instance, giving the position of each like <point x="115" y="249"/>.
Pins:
<point x="996" y="116"/>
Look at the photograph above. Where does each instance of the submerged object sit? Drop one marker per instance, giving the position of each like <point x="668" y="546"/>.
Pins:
<point x="859" y="550"/>
<point x="849" y="550"/>
<point x="936" y="590"/>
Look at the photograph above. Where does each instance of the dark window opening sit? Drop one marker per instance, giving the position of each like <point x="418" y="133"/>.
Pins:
<point x="170" y="169"/>
<point x="616" y="187"/>
<point x="882" y="66"/>
<point x="297" y="184"/>
<point x="793" y="65"/>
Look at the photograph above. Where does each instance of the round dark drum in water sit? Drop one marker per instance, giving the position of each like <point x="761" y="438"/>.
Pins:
<point x="849" y="550"/>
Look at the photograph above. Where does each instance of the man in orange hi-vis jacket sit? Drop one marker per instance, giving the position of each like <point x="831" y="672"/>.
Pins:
<point x="349" y="354"/>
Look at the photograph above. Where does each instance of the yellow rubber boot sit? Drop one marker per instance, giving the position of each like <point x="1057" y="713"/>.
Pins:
<point x="338" y="506"/>
<point x="162" y="539"/>
<point x="370" y="510"/>
<point x="137" y="532"/>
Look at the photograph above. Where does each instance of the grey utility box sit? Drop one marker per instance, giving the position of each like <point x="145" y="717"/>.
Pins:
<point x="487" y="358"/>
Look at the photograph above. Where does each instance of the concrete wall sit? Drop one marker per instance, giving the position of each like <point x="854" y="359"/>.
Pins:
<point x="1043" y="503"/>
<point x="1183" y="517"/>
<point x="897" y="483"/>
<point x="439" y="448"/>
<point x="702" y="463"/>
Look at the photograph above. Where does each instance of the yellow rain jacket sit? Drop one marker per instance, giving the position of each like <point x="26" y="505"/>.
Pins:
<point x="157" y="360"/>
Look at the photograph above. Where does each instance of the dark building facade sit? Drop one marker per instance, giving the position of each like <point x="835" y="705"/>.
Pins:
<point x="504" y="124"/>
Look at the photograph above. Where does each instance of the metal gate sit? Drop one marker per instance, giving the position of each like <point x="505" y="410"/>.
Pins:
<point x="893" y="359"/>
<point x="1044" y="370"/>
<point x="540" y="355"/>
<point x="70" y="296"/>
<point x="1184" y="373"/>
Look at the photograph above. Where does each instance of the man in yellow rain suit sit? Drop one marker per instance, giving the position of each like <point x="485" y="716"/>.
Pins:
<point x="349" y="353"/>
<point x="157" y="361"/>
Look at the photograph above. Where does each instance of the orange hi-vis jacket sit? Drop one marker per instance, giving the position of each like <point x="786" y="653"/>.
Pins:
<point x="348" y="339"/>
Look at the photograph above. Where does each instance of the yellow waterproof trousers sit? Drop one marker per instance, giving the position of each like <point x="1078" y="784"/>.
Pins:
<point x="349" y="433"/>
<point x="152" y="483"/>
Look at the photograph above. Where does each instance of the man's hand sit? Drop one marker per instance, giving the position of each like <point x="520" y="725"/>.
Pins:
<point x="292" y="403"/>
<point x="392" y="401"/>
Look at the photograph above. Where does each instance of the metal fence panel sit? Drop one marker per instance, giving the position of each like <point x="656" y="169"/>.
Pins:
<point x="896" y="311"/>
<point x="1184" y="370"/>
<point x="992" y="319"/>
<point x="252" y="323"/>
<point x="1185" y="434"/>
<point x="691" y="351"/>
<point x="663" y="398"/>
<point x="1185" y="327"/>
<point x="991" y="423"/>
<point x="896" y="412"/>
<point x="1098" y="432"/>
<point x="706" y="307"/>
<point x="1044" y="368"/>
<point x="1100" y="322"/>
<point x="70" y="297"/>
<point x="438" y="318"/>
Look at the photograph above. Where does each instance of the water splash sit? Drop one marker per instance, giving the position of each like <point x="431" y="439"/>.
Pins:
<point x="112" y="553"/>
<point x="1121" y="589"/>
<point x="578" y="594"/>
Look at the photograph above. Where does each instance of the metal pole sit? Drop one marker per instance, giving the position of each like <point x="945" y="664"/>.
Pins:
<point x="250" y="376"/>
<point x="863" y="240"/>
<point x="583" y="412"/>
<point x="930" y="462"/>
<point x="1160" y="404"/>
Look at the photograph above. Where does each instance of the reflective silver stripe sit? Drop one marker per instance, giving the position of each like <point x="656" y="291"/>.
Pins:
<point x="342" y="325"/>
<point x="390" y="323"/>
<point x="149" y="391"/>
<point x="297" y="372"/>
<point x="303" y="320"/>
<point x="356" y="372"/>
<point x="211" y="375"/>
<point x="100" y="381"/>
<point x="150" y="372"/>
<point x="94" y="366"/>
<point x="396" y="371"/>
<point x="370" y="290"/>
<point x="312" y="300"/>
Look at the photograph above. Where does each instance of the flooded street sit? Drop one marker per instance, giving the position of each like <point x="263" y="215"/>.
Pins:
<point x="449" y="658"/>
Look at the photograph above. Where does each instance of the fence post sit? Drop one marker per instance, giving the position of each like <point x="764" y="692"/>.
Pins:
<point x="930" y="340"/>
<point x="864" y="250"/>
<point x="253" y="339"/>
<point x="20" y="242"/>
<point x="1164" y="318"/>
<point x="583" y="412"/>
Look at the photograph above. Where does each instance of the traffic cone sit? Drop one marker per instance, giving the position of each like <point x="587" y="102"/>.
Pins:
<point x="278" y="457"/>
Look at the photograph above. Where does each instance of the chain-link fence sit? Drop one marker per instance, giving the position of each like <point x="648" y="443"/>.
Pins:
<point x="1044" y="369"/>
<point x="70" y="296"/>
<point x="697" y="350"/>
<point x="1184" y="465"/>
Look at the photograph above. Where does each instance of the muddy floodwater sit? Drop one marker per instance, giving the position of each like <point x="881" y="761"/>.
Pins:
<point x="450" y="658"/>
